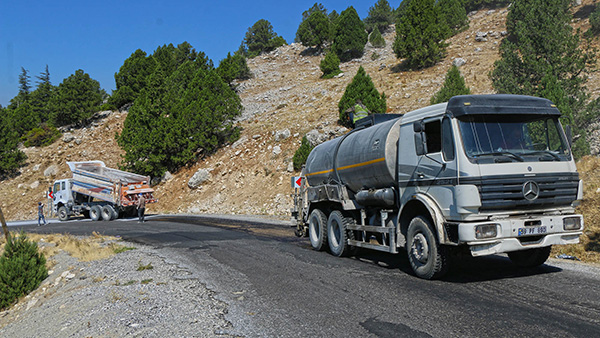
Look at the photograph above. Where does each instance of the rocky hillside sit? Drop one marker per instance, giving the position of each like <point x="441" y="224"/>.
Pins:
<point x="284" y="100"/>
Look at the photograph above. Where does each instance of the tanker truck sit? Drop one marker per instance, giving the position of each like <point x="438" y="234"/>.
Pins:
<point x="477" y="175"/>
<point x="99" y="192"/>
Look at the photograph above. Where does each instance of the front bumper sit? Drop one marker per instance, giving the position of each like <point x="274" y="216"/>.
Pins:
<point x="508" y="239"/>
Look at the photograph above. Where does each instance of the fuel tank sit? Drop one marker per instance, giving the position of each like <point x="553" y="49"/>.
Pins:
<point x="361" y="159"/>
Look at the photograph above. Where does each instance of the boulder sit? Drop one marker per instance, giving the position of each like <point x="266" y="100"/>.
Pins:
<point x="281" y="135"/>
<point x="201" y="176"/>
<point x="52" y="170"/>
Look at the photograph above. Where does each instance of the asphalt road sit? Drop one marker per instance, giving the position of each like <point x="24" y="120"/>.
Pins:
<point x="277" y="286"/>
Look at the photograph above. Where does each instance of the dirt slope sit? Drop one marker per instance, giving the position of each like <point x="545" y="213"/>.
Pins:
<point x="286" y="93"/>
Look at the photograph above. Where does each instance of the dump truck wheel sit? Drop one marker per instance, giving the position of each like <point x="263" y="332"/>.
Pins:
<point x="428" y="259"/>
<point x="63" y="214"/>
<point x="95" y="213"/>
<point x="317" y="229"/>
<point x="108" y="213"/>
<point x="338" y="233"/>
<point x="531" y="257"/>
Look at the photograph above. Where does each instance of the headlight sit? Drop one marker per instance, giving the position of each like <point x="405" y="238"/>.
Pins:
<point x="571" y="223"/>
<point x="486" y="231"/>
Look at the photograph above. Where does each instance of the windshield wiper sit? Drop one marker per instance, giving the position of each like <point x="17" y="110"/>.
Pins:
<point x="543" y="152"/>
<point x="502" y="153"/>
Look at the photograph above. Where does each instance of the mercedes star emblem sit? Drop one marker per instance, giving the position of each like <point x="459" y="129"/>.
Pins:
<point x="531" y="190"/>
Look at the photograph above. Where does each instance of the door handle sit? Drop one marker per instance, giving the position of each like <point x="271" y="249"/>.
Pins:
<point x="420" y="175"/>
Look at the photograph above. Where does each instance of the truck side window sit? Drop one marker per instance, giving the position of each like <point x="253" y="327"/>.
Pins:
<point x="57" y="187"/>
<point x="447" y="140"/>
<point x="63" y="186"/>
<point x="433" y="135"/>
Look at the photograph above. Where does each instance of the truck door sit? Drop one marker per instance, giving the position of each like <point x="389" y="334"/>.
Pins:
<point x="436" y="170"/>
<point x="62" y="192"/>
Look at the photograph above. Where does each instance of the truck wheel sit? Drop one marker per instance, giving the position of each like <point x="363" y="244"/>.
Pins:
<point x="338" y="233"/>
<point x="63" y="214"/>
<point x="317" y="229"/>
<point x="108" y="213"/>
<point x="428" y="259"/>
<point x="95" y="213"/>
<point x="531" y="257"/>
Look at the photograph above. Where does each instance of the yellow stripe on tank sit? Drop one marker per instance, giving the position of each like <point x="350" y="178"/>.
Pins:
<point x="349" y="166"/>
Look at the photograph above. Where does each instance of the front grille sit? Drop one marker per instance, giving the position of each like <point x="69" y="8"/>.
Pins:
<point x="505" y="193"/>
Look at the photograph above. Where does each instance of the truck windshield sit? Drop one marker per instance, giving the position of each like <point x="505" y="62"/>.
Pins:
<point x="502" y="138"/>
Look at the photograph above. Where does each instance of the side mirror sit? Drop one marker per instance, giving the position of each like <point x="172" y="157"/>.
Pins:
<point x="420" y="146"/>
<point x="418" y="127"/>
<point x="569" y="133"/>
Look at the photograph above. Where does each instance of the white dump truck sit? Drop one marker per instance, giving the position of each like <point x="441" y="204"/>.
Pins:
<point x="99" y="192"/>
<point x="481" y="174"/>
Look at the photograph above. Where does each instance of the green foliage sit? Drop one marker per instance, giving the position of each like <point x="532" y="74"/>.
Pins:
<point x="420" y="34"/>
<point x="39" y="99"/>
<point x="594" y="22"/>
<point x="185" y="111"/>
<point x="41" y="136"/>
<point x="453" y="85"/>
<point x="76" y="99"/>
<point x="376" y="39"/>
<point x="261" y="38"/>
<point x="454" y="14"/>
<point x="233" y="67"/>
<point x="380" y="16"/>
<point x="132" y="77"/>
<point x="350" y="36"/>
<point x="24" y="83"/>
<point x="314" y="30"/>
<point x="546" y="65"/>
<point x="11" y="158"/>
<point x="361" y="88"/>
<point x="330" y="65"/>
<point x="302" y="153"/>
<point x="22" y="269"/>
<point x="22" y="118"/>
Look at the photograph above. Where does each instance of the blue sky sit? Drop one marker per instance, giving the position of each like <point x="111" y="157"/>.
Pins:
<point x="97" y="36"/>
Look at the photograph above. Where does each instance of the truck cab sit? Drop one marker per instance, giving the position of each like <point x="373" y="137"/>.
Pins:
<point x="62" y="197"/>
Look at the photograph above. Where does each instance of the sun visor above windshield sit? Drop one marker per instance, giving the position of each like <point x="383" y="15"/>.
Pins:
<point x="500" y="104"/>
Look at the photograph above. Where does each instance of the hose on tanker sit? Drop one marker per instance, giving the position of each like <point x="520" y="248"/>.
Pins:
<point x="338" y="180"/>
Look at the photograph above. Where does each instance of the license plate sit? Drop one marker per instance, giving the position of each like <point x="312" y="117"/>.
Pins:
<point x="532" y="231"/>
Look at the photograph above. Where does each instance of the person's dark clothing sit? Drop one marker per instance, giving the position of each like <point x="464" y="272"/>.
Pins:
<point x="141" y="205"/>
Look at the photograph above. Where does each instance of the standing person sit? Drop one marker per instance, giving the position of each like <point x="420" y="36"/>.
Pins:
<point x="141" y="205"/>
<point x="41" y="214"/>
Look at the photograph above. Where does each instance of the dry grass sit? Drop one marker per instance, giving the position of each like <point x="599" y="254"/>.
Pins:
<point x="85" y="249"/>
<point x="589" y="248"/>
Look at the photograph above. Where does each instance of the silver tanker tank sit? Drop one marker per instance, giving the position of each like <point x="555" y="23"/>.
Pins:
<point x="362" y="159"/>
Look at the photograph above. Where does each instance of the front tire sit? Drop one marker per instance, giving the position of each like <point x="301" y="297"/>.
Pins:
<point x="428" y="259"/>
<point x="63" y="214"/>
<point x="317" y="229"/>
<point x="338" y="233"/>
<point x="531" y="257"/>
<point x="95" y="213"/>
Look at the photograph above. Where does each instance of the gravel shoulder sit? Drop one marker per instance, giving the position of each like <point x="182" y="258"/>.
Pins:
<point x="136" y="293"/>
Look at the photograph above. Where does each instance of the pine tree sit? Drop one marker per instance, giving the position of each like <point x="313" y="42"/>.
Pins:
<point x="330" y="65"/>
<point x="380" y="16"/>
<point x="594" y="22"/>
<point x="361" y="88"/>
<point x="453" y="13"/>
<point x="261" y="38"/>
<point x="233" y="67"/>
<point x="376" y="39"/>
<point x="546" y="65"/>
<point x="22" y="269"/>
<point x="76" y="99"/>
<point x="420" y="34"/>
<point x="11" y="158"/>
<point x="302" y="153"/>
<point x="314" y="30"/>
<point x="350" y="36"/>
<point x="132" y="78"/>
<point x="24" y="83"/>
<point x="453" y="85"/>
<point x="40" y="98"/>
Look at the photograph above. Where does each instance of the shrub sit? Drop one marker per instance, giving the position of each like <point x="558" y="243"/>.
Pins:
<point x="330" y="65"/>
<point x="361" y="88"/>
<point x="22" y="269"/>
<point x="302" y="153"/>
<point x="350" y="36"/>
<point x="376" y="39"/>
<point x="594" y="22"/>
<point x="453" y="85"/>
<point x="41" y="136"/>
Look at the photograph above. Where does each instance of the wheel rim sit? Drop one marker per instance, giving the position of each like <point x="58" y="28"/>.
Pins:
<point x="335" y="229"/>
<point x="62" y="214"/>
<point x="315" y="228"/>
<point x="420" y="248"/>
